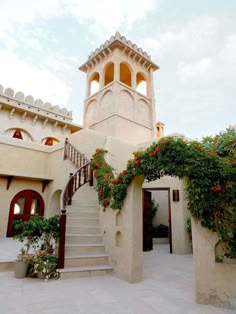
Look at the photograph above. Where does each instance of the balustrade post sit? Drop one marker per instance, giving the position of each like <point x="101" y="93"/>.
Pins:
<point x="61" y="250"/>
<point x="66" y="149"/>
<point x="71" y="188"/>
<point x="90" y="173"/>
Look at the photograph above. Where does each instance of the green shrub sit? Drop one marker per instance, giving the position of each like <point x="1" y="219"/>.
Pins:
<point x="160" y="231"/>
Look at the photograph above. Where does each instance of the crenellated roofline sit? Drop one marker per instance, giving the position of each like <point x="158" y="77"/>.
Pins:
<point x="128" y="47"/>
<point x="26" y="105"/>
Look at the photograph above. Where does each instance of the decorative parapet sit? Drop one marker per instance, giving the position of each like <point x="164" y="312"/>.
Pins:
<point x="129" y="47"/>
<point x="28" y="104"/>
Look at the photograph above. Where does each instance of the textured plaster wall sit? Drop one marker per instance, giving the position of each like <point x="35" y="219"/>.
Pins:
<point x="215" y="282"/>
<point x="162" y="214"/>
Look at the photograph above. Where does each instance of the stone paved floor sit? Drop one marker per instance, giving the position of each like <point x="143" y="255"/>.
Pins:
<point x="168" y="287"/>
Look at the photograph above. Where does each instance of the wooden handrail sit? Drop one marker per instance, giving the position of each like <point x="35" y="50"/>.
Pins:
<point x="82" y="176"/>
<point x="74" y="154"/>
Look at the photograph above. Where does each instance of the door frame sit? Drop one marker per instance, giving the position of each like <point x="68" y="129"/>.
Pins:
<point x="169" y="210"/>
<point x="29" y="194"/>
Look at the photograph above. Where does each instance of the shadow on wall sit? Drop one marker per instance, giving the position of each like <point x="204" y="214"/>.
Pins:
<point x="54" y="204"/>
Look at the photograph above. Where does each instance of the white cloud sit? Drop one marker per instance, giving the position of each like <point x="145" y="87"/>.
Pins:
<point x="28" y="11"/>
<point x="194" y="69"/>
<point x="109" y="14"/>
<point x="104" y="13"/>
<point x="32" y="80"/>
<point x="228" y="52"/>
<point x="192" y="39"/>
<point x="57" y="62"/>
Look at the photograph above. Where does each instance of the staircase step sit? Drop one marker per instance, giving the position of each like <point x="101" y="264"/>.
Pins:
<point x="88" y="271"/>
<point x="84" y="238"/>
<point x="77" y="249"/>
<point x="82" y="214"/>
<point x="86" y="260"/>
<point x="82" y="221"/>
<point x="83" y="207"/>
<point x="83" y="229"/>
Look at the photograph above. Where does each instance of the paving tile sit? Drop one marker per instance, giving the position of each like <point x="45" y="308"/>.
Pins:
<point x="167" y="288"/>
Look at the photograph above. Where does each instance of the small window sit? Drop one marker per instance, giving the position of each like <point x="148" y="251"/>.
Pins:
<point x="50" y="141"/>
<point x="17" y="134"/>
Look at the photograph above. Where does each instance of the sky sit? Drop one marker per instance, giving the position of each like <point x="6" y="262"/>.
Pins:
<point x="43" y="43"/>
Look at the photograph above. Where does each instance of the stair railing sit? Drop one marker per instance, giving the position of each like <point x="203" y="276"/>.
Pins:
<point x="74" y="155"/>
<point x="82" y="176"/>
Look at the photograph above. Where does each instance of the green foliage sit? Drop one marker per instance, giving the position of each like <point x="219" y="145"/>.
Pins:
<point x="104" y="176"/>
<point x="208" y="168"/>
<point x="37" y="231"/>
<point x="160" y="231"/>
<point x="45" y="264"/>
<point x="189" y="227"/>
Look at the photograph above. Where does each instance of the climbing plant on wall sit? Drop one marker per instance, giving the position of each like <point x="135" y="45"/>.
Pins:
<point x="208" y="168"/>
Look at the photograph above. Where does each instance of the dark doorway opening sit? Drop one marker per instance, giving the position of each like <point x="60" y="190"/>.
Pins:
<point x="162" y="196"/>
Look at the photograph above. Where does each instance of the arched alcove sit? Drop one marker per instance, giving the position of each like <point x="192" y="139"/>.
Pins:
<point x="126" y="105"/>
<point x="94" y="83"/>
<point x="106" y="106"/>
<point x="118" y="218"/>
<point x="90" y="112"/>
<point x="19" y="134"/>
<point x="54" y="204"/>
<point x="141" y="83"/>
<point x="143" y="114"/>
<point x="109" y="74"/>
<point x="118" y="239"/>
<point x="125" y="74"/>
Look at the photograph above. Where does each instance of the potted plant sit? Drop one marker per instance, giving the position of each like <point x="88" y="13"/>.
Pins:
<point x="21" y="264"/>
<point x="37" y="233"/>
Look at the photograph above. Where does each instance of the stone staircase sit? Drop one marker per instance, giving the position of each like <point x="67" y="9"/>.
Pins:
<point x="84" y="249"/>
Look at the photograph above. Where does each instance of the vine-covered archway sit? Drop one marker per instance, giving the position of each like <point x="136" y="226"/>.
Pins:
<point x="208" y="168"/>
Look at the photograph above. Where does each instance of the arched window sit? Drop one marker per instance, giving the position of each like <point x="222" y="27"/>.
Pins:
<point x="141" y="84"/>
<point x="94" y="84"/>
<point x="109" y="74"/>
<point x="50" y="141"/>
<point x="24" y="204"/>
<point x="19" y="134"/>
<point x="125" y="74"/>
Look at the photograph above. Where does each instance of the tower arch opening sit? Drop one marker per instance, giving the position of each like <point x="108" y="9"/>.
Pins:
<point x="109" y="73"/>
<point x="94" y="83"/>
<point x="141" y="83"/>
<point x="125" y="74"/>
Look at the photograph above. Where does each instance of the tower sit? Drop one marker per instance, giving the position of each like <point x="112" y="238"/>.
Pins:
<point x="119" y="94"/>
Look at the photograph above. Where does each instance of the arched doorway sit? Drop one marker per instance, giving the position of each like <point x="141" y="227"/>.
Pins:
<point x="24" y="205"/>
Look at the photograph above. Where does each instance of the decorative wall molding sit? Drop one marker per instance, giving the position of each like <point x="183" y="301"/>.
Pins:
<point x="27" y="103"/>
<point x="129" y="48"/>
